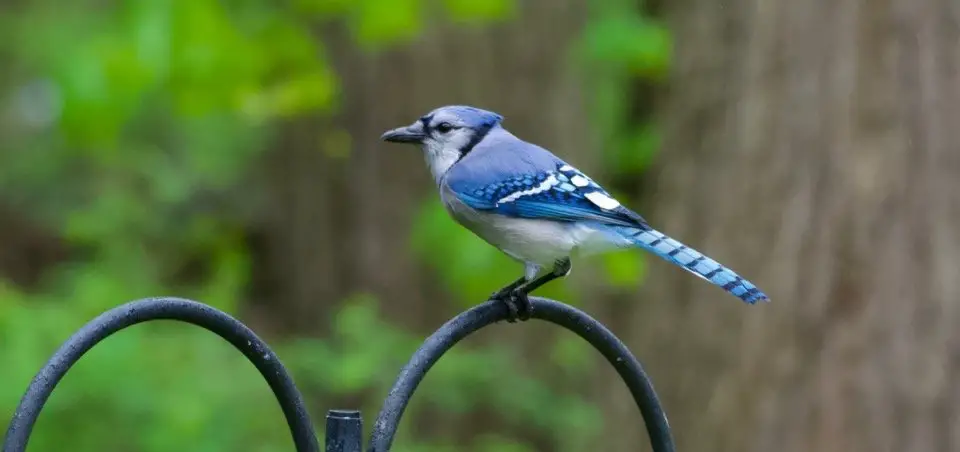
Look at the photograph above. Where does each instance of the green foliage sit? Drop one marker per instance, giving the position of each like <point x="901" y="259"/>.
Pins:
<point x="623" y="48"/>
<point x="153" y="387"/>
<point x="623" y="268"/>
<point x="628" y="41"/>
<point x="379" y="23"/>
<point x="129" y="136"/>
<point x="480" y="10"/>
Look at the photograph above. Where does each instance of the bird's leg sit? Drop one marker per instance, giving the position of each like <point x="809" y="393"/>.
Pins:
<point x="500" y="294"/>
<point x="519" y="296"/>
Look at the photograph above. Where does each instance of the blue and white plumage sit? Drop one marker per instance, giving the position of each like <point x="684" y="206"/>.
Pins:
<point x="535" y="207"/>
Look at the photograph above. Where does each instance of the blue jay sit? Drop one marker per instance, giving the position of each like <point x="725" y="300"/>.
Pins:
<point x="535" y="207"/>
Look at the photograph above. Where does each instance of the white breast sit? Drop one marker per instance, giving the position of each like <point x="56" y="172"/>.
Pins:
<point x="542" y="242"/>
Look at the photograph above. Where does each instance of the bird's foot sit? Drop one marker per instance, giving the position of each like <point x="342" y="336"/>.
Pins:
<point x="512" y="306"/>
<point x="517" y="303"/>
<point x="523" y="304"/>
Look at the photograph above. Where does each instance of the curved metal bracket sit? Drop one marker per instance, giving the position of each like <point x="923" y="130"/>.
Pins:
<point x="344" y="428"/>
<point x="493" y="311"/>
<point x="145" y="310"/>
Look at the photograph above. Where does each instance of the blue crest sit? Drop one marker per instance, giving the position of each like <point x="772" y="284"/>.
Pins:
<point x="474" y="117"/>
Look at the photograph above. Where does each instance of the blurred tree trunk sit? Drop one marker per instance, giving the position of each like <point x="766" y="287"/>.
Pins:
<point x="812" y="146"/>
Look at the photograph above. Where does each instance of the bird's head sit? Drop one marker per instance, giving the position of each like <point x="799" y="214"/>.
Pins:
<point x="446" y="134"/>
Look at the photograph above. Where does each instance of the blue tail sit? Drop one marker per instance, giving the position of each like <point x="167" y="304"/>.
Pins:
<point x="693" y="261"/>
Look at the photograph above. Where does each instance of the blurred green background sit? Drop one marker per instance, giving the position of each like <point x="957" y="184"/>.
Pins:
<point x="227" y="151"/>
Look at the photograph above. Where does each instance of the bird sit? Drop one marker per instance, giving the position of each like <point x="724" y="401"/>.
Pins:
<point x="535" y="207"/>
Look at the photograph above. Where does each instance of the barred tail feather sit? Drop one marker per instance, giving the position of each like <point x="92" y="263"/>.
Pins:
<point x="695" y="262"/>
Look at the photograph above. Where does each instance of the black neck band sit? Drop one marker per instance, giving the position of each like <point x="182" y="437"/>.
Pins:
<point x="481" y="132"/>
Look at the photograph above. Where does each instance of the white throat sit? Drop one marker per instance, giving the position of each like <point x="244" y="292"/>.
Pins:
<point x="440" y="159"/>
<point x="442" y="153"/>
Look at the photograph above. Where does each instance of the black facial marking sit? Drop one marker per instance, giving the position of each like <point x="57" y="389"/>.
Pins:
<point x="425" y="120"/>
<point x="477" y="136"/>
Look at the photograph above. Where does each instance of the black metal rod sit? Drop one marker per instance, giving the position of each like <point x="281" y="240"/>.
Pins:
<point x="344" y="431"/>
<point x="493" y="311"/>
<point x="236" y="333"/>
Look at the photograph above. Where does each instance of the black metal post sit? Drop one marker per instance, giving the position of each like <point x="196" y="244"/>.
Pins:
<point x="344" y="431"/>
<point x="493" y="311"/>
<point x="236" y="333"/>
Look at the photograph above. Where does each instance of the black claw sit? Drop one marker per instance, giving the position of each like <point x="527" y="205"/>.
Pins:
<point x="522" y="302"/>
<point x="512" y="306"/>
<point x="515" y="297"/>
<point x="503" y="295"/>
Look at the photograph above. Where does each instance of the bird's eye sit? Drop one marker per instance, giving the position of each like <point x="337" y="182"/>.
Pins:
<point x="444" y="127"/>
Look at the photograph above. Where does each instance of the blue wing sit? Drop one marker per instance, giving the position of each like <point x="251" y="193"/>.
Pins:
<point x="560" y="193"/>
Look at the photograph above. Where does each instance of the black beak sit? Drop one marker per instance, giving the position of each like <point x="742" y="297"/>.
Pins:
<point x="409" y="134"/>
